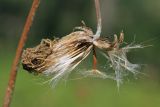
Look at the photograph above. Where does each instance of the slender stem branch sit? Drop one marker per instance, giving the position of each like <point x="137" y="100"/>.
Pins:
<point x="98" y="32"/>
<point x="99" y="20"/>
<point x="14" y="68"/>
<point x="94" y="59"/>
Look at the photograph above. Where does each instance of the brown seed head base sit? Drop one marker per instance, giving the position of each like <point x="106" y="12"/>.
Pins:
<point x="59" y="57"/>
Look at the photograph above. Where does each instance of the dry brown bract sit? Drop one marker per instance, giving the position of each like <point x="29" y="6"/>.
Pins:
<point x="59" y="57"/>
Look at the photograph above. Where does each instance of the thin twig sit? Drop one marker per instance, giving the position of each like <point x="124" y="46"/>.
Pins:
<point x="99" y="20"/>
<point x="98" y="32"/>
<point x="13" y="73"/>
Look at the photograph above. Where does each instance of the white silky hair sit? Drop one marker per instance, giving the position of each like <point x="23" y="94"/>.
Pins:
<point x="120" y="63"/>
<point x="117" y="59"/>
<point x="64" y="66"/>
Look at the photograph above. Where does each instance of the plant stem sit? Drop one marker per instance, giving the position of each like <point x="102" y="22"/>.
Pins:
<point x="98" y="32"/>
<point x="94" y="59"/>
<point x="14" y="68"/>
<point x="99" y="20"/>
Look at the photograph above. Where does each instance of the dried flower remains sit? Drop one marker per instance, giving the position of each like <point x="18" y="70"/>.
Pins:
<point x="58" y="57"/>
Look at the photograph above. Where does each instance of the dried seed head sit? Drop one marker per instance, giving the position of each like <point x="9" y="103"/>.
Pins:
<point x="59" y="55"/>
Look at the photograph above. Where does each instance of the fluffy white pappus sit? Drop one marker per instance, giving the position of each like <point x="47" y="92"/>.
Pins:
<point x="119" y="62"/>
<point x="64" y="66"/>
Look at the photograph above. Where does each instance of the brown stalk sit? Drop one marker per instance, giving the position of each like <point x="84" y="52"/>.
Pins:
<point x="99" y="19"/>
<point x="94" y="59"/>
<point x="98" y="32"/>
<point x="14" y="68"/>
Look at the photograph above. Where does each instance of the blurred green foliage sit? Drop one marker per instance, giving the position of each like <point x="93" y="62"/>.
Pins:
<point x="140" y="18"/>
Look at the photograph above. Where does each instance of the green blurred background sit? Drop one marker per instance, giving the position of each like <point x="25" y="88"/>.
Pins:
<point x="140" y="18"/>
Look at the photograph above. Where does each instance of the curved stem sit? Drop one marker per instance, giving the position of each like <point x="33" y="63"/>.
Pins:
<point x="99" y="20"/>
<point x="13" y="72"/>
